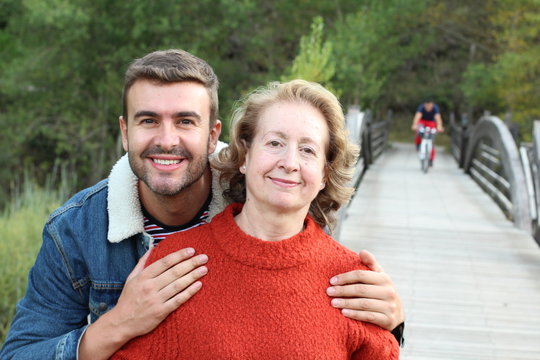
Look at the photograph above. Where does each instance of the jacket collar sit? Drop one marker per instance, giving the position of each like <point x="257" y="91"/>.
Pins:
<point x="124" y="208"/>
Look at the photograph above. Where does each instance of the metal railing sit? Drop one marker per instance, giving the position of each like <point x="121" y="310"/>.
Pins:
<point x="530" y="158"/>
<point x="459" y="138"/>
<point x="488" y="153"/>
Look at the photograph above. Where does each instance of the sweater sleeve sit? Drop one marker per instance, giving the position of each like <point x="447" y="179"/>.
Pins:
<point x="377" y="344"/>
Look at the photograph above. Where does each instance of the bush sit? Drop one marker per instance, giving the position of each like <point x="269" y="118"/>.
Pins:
<point x="21" y="225"/>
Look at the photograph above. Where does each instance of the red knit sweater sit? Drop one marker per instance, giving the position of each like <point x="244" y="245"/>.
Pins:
<point x="262" y="300"/>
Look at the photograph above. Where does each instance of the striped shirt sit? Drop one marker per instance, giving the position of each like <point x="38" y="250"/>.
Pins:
<point x="160" y="231"/>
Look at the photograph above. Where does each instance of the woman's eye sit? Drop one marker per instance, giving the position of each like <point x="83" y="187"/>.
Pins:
<point x="274" y="143"/>
<point x="308" y="151"/>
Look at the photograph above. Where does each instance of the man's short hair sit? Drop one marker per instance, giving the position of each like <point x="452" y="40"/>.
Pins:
<point x="171" y="66"/>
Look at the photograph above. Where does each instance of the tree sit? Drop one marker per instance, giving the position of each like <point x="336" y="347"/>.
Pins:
<point x="315" y="60"/>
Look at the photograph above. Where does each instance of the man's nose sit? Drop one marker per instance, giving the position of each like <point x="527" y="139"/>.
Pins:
<point x="167" y="137"/>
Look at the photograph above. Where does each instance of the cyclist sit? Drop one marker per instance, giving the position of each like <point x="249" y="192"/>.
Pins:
<point x="427" y="114"/>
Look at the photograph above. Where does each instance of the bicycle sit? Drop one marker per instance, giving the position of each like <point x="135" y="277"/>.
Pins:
<point x="426" y="146"/>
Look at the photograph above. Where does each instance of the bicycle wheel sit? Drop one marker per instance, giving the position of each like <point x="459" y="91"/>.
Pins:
<point x="425" y="164"/>
<point x="424" y="156"/>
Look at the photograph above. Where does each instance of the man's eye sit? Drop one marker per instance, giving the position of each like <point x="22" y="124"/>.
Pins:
<point x="186" y="121"/>
<point x="147" y="121"/>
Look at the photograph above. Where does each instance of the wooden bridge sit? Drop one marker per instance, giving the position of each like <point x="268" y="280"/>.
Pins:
<point x="468" y="277"/>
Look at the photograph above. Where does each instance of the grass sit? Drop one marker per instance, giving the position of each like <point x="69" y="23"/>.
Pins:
<point x="21" y="225"/>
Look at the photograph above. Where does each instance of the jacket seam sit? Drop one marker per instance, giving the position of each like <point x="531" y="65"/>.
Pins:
<point x="70" y="273"/>
<point x="92" y="192"/>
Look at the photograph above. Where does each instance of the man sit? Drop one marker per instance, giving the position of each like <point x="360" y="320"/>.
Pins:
<point x="88" y="292"/>
<point x="427" y="115"/>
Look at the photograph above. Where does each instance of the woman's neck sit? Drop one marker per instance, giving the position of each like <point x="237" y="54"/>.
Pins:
<point x="270" y="224"/>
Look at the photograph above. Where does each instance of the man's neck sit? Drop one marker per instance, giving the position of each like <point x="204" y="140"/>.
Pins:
<point x="178" y="209"/>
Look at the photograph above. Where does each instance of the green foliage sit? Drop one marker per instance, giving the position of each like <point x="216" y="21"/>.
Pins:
<point x="374" y="44"/>
<point x="480" y="88"/>
<point x="63" y="62"/>
<point x="315" y="60"/>
<point x="20" y="238"/>
<point x="516" y="68"/>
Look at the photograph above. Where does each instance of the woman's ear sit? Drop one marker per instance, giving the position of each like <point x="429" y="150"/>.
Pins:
<point x="246" y="156"/>
<point x="244" y="144"/>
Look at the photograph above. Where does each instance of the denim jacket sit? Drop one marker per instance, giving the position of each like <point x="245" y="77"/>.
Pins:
<point x="90" y="246"/>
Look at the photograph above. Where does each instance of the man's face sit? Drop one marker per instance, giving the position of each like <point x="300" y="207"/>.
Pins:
<point x="167" y="134"/>
<point x="428" y="106"/>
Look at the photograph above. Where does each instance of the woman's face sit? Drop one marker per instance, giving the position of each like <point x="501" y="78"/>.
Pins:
<point x="286" y="160"/>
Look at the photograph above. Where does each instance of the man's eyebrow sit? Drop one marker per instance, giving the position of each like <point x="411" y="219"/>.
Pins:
<point x="181" y="114"/>
<point x="144" y="113"/>
<point x="191" y="114"/>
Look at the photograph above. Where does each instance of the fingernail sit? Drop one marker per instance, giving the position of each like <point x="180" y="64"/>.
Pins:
<point x="190" y="251"/>
<point x="333" y="280"/>
<point x="203" y="270"/>
<point x="202" y="259"/>
<point x="336" y="302"/>
<point x="346" y="312"/>
<point x="331" y="291"/>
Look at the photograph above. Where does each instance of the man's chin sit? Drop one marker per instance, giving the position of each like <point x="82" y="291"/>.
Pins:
<point x="167" y="191"/>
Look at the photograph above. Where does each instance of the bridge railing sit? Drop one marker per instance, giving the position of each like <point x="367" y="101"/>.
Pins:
<point x="459" y="138"/>
<point x="530" y="158"/>
<point x="488" y="153"/>
<point x="371" y="135"/>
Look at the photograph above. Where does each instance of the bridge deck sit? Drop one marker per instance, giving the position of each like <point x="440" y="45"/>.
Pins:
<point x="469" y="280"/>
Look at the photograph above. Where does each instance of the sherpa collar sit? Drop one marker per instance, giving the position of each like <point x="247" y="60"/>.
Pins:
<point x="124" y="208"/>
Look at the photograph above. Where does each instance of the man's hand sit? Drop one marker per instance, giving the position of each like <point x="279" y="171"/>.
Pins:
<point x="367" y="295"/>
<point x="149" y="295"/>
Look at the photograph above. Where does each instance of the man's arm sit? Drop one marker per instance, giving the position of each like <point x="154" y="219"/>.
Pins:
<point x="51" y="316"/>
<point x="51" y="319"/>
<point x="367" y="295"/>
<point x="149" y="295"/>
<point x="438" y="120"/>
<point x="416" y="119"/>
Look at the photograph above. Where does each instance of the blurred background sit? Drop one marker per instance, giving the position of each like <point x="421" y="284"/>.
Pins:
<point x="62" y="64"/>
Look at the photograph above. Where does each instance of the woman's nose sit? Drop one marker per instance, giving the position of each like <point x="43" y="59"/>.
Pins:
<point x="289" y="160"/>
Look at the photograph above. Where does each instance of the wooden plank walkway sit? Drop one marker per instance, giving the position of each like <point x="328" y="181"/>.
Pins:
<point x="469" y="280"/>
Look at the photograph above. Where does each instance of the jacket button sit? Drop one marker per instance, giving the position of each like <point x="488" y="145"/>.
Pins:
<point x="102" y="306"/>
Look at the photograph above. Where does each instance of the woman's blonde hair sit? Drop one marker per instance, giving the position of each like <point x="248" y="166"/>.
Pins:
<point x="340" y="157"/>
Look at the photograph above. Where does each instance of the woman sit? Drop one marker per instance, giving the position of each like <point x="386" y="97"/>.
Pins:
<point x="287" y="169"/>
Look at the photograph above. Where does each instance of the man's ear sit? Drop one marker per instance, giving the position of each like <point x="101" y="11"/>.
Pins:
<point x="123" y="129"/>
<point x="214" y="137"/>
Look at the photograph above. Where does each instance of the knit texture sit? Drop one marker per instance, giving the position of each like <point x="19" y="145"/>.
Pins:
<point x="262" y="300"/>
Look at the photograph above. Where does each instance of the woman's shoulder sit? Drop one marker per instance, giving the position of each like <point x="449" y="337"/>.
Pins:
<point x="340" y="255"/>
<point x="196" y="238"/>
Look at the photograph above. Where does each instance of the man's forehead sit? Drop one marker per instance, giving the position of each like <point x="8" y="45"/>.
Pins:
<point x="185" y="96"/>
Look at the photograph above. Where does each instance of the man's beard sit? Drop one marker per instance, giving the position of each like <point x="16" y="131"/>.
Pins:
<point x="171" y="186"/>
